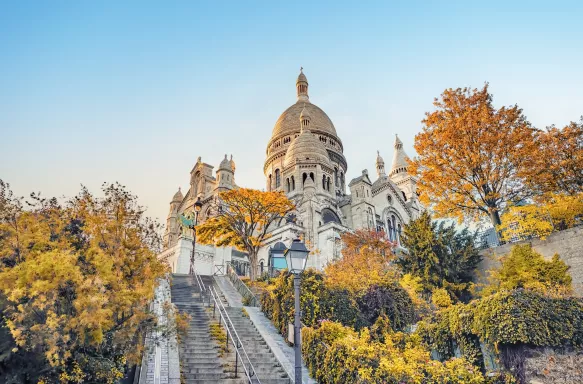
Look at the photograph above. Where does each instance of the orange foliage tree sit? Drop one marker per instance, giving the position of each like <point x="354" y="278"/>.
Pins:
<point x="472" y="157"/>
<point x="559" y="166"/>
<point x="365" y="261"/>
<point x="242" y="219"/>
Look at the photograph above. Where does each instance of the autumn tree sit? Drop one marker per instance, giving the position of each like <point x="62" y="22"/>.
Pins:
<point x="76" y="279"/>
<point x="552" y="212"/>
<point x="473" y="158"/>
<point x="558" y="168"/>
<point x="242" y="219"/>
<point x="365" y="261"/>
<point x="440" y="255"/>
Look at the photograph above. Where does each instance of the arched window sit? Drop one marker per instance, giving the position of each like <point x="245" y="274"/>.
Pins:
<point x="304" y="177"/>
<point x="269" y="183"/>
<point x="287" y="185"/>
<point x="367" y="195"/>
<point x="336" y="180"/>
<point x="399" y="233"/>
<point x="324" y="182"/>
<point x="293" y="183"/>
<point x="394" y="223"/>
<point x="328" y="216"/>
<point x="312" y="176"/>
<point x="390" y="229"/>
<point x="404" y="196"/>
<point x="277" y="179"/>
<point x="389" y="199"/>
<point x="328" y="184"/>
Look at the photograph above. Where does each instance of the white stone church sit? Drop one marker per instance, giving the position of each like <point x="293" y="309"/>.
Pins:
<point x="304" y="158"/>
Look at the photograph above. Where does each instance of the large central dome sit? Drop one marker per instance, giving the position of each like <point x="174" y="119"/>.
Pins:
<point x="288" y="121"/>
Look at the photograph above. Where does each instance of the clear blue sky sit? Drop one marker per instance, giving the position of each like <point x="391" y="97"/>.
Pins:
<point x="136" y="91"/>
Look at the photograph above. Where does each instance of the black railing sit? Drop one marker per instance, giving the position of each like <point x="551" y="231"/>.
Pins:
<point x="232" y="336"/>
<point x="249" y="298"/>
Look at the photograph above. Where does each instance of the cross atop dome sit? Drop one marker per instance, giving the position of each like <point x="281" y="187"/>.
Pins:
<point x="302" y="87"/>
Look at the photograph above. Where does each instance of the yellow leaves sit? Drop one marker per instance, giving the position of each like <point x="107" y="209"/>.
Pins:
<point x="86" y="273"/>
<point x="365" y="261"/>
<point x="441" y="298"/>
<point x="243" y="220"/>
<point x="554" y="212"/>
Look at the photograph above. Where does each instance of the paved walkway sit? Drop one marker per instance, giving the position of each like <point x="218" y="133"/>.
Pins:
<point x="231" y="294"/>
<point x="283" y="352"/>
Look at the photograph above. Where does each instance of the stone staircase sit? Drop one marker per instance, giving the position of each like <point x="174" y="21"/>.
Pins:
<point x="200" y="358"/>
<point x="267" y="368"/>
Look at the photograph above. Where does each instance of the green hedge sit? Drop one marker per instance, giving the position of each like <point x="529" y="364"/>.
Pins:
<point x="320" y="302"/>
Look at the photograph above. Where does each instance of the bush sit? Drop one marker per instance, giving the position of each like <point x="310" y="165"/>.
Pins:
<point x="508" y="320"/>
<point x="389" y="299"/>
<point x="337" y="354"/>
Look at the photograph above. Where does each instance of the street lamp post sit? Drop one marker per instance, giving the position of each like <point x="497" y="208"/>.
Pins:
<point x="197" y="208"/>
<point x="296" y="257"/>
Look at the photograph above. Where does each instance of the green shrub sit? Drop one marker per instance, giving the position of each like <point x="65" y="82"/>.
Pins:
<point x="389" y="299"/>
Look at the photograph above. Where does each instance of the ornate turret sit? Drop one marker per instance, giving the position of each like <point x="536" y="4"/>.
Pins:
<point x="232" y="164"/>
<point x="302" y="87"/>
<point x="225" y="164"/>
<point x="400" y="162"/>
<point x="178" y="197"/>
<point x="172" y="231"/>
<point x="380" y="165"/>
<point x="225" y="174"/>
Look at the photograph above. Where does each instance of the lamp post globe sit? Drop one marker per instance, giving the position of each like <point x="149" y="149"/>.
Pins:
<point x="296" y="257"/>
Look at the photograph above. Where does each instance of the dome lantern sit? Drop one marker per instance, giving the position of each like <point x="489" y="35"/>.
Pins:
<point x="302" y="86"/>
<point x="380" y="165"/>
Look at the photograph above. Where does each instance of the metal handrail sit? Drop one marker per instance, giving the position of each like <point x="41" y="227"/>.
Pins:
<point x="236" y="280"/>
<point x="237" y="343"/>
<point x="221" y="305"/>
<point x="251" y="374"/>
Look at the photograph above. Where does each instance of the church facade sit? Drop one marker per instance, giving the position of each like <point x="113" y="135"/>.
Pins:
<point x="305" y="159"/>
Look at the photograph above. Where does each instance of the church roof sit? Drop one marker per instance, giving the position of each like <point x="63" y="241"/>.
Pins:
<point x="364" y="177"/>
<point x="288" y="121"/>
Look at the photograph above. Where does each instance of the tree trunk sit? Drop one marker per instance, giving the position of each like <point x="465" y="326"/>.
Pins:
<point x="253" y="265"/>
<point x="495" y="217"/>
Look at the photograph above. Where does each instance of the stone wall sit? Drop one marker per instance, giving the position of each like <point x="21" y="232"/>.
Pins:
<point x="546" y="366"/>
<point x="568" y="244"/>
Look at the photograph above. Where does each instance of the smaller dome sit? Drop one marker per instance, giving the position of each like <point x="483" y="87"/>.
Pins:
<point x="379" y="158"/>
<point x="178" y="196"/>
<point x="225" y="164"/>
<point x="306" y="147"/>
<point x="232" y="162"/>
